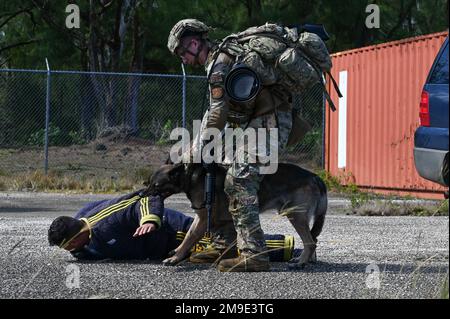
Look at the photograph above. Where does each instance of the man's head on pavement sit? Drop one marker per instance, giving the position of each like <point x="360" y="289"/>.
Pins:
<point x="68" y="233"/>
<point x="188" y="40"/>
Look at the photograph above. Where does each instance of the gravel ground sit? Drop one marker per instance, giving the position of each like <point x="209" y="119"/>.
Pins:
<point x="411" y="254"/>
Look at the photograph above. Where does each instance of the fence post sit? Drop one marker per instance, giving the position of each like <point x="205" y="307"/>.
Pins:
<point x="47" y="119"/>
<point x="184" y="97"/>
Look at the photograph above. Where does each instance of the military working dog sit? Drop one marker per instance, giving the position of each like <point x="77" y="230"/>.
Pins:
<point x="292" y="191"/>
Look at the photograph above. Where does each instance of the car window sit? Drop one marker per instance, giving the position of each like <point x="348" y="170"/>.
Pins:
<point x="440" y="72"/>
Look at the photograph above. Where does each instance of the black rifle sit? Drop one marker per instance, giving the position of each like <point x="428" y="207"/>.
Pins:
<point x="210" y="189"/>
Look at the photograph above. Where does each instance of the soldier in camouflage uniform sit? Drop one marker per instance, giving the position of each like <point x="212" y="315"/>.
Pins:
<point x="272" y="108"/>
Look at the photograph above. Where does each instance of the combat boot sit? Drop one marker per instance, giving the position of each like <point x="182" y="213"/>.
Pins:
<point x="212" y="254"/>
<point x="244" y="264"/>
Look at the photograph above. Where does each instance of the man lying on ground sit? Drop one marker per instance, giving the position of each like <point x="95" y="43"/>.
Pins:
<point x="135" y="227"/>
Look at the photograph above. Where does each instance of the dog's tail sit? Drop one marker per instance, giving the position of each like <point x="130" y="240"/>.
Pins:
<point x="321" y="209"/>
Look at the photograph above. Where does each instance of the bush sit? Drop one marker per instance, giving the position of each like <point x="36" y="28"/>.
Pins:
<point x="56" y="137"/>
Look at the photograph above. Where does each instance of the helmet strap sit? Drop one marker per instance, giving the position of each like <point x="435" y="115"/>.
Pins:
<point x="195" y="55"/>
<point x="200" y="48"/>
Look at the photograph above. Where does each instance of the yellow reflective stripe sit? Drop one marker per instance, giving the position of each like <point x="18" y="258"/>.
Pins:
<point x="111" y="209"/>
<point x="142" y="207"/>
<point x="151" y="218"/>
<point x="146" y="212"/>
<point x="206" y="239"/>
<point x="116" y="210"/>
<point x="180" y="235"/>
<point x="288" y="247"/>
<point x="89" y="226"/>
<point x="100" y="215"/>
<point x="275" y="243"/>
<point x="95" y="218"/>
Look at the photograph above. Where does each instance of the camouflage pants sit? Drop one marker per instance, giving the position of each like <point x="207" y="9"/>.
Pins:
<point x="222" y="232"/>
<point x="242" y="185"/>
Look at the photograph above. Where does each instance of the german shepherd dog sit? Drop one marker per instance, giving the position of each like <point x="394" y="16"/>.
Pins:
<point x="292" y="191"/>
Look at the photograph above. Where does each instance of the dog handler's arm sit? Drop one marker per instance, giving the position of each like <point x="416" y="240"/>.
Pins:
<point x="219" y="107"/>
<point x="151" y="211"/>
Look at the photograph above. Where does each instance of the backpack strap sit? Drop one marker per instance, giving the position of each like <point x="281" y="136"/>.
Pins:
<point x="322" y="84"/>
<point x="336" y="86"/>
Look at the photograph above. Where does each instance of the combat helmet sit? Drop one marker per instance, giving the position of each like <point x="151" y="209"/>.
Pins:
<point x="183" y="28"/>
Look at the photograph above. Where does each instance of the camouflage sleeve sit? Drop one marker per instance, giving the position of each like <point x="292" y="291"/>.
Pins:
<point x="218" y="110"/>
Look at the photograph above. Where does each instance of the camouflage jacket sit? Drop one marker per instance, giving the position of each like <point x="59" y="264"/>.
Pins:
<point x="219" y="105"/>
<point x="221" y="109"/>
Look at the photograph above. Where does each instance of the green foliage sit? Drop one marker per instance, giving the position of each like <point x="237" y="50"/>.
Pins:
<point x="76" y="138"/>
<point x="313" y="141"/>
<point x="389" y="207"/>
<point x="56" y="137"/>
<point x="442" y="210"/>
<point x="357" y="198"/>
<point x="444" y="289"/>
<point x="34" y="30"/>
<point x="332" y="182"/>
<point x="43" y="23"/>
<point x="165" y="133"/>
<point x="351" y="190"/>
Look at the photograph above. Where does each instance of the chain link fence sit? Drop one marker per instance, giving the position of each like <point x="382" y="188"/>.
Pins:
<point x="110" y="124"/>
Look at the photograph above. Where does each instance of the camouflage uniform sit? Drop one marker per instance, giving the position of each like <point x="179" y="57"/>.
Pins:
<point x="243" y="178"/>
<point x="272" y="108"/>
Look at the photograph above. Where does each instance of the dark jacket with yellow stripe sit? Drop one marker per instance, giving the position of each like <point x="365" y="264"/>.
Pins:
<point x="113" y="223"/>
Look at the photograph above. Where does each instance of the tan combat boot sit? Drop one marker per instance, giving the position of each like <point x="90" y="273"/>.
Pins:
<point x="212" y="254"/>
<point x="244" y="264"/>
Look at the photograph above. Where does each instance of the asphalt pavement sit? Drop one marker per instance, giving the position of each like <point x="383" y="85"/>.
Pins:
<point x="358" y="257"/>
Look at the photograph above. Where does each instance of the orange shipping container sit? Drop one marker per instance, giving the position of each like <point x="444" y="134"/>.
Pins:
<point x="369" y="140"/>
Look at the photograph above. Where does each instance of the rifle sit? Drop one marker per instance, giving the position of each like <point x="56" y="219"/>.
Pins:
<point x="210" y="188"/>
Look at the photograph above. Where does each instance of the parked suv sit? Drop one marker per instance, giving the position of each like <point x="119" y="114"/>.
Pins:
<point x="431" y="137"/>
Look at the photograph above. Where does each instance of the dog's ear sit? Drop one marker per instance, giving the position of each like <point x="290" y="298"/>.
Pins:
<point x="176" y="171"/>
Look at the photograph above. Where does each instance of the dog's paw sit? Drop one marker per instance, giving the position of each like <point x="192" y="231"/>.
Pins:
<point x="171" y="261"/>
<point x="295" y="264"/>
<point x="174" y="258"/>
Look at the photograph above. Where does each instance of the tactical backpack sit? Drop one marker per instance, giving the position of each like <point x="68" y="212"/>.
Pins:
<point x="281" y="55"/>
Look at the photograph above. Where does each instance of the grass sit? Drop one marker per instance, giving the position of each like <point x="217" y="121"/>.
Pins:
<point x="59" y="181"/>
<point x="334" y="184"/>
<point x="403" y="208"/>
<point x="362" y="203"/>
<point x="444" y="289"/>
<point x="369" y="204"/>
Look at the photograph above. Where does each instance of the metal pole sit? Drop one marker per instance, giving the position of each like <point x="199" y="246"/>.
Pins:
<point x="47" y="119"/>
<point x="184" y="97"/>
